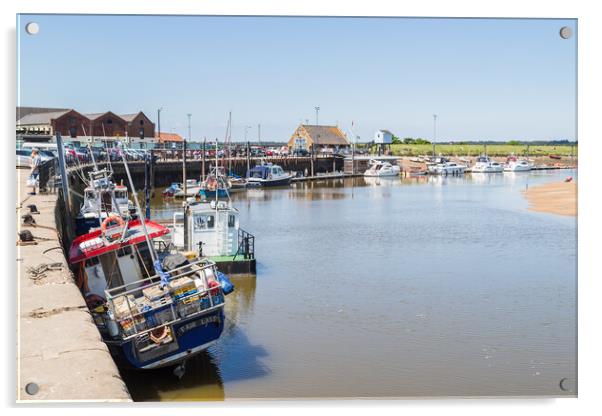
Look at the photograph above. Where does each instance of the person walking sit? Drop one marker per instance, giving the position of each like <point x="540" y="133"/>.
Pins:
<point x="34" y="165"/>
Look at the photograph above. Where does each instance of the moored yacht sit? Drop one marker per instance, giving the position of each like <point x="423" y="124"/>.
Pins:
<point x="381" y="169"/>
<point x="448" y="168"/>
<point x="485" y="165"/>
<point x="517" y="165"/>
<point x="268" y="174"/>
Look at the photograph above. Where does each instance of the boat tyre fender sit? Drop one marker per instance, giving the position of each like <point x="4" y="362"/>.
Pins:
<point x="213" y="285"/>
<point x="157" y="335"/>
<point x="270" y="176"/>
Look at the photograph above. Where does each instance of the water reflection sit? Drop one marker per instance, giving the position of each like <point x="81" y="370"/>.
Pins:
<point x="475" y="294"/>
<point x="234" y="357"/>
<point x="202" y="381"/>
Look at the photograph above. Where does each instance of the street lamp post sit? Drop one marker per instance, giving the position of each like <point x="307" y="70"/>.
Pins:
<point x="317" y="111"/>
<point x="159" y="123"/>
<point x="184" y="158"/>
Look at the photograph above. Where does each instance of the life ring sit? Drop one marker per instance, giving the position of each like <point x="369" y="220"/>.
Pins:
<point x="109" y="219"/>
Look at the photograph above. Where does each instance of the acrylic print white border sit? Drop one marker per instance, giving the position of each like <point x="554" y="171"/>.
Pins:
<point x="590" y="67"/>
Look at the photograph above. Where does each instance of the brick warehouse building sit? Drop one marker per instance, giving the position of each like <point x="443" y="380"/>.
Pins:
<point x="41" y="124"/>
<point x="106" y="124"/>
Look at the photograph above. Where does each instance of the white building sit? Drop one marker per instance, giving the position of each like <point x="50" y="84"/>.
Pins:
<point x="383" y="137"/>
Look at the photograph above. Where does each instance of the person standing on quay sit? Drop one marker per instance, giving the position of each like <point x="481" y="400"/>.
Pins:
<point x="34" y="165"/>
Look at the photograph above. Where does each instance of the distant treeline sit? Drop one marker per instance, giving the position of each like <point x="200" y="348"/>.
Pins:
<point x="411" y="140"/>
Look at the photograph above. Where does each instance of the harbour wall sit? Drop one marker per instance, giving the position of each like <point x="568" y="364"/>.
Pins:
<point x="164" y="172"/>
<point x="60" y="354"/>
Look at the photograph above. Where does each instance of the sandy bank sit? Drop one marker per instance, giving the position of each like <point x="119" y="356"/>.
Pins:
<point x="553" y="198"/>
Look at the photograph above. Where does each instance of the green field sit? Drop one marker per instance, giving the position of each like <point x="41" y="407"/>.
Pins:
<point x="477" y="149"/>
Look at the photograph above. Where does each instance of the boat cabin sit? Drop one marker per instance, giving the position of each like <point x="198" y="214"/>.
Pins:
<point x="212" y="228"/>
<point x="265" y="172"/>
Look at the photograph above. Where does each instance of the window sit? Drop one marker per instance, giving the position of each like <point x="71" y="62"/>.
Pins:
<point x="231" y="220"/>
<point x="120" y="195"/>
<point x="125" y="251"/>
<point x="203" y="222"/>
<point x="142" y="122"/>
<point x="90" y="195"/>
<point x="109" y="121"/>
<point x="92" y="261"/>
<point x="73" y="132"/>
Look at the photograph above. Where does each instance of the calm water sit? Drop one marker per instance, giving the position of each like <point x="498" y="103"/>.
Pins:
<point x="392" y="288"/>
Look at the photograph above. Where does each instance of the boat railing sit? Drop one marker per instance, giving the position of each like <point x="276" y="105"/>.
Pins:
<point x="167" y="308"/>
<point x="246" y="245"/>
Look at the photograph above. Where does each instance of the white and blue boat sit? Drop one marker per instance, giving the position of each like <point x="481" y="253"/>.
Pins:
<point x="267" y="174"/>
<point x="153" y="309"/>
<point x="102" y="197"/>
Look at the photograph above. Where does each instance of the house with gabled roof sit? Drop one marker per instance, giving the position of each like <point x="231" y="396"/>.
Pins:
<point x="318" y="136"/>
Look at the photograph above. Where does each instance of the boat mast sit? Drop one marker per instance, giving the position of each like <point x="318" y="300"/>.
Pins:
<point x="104" y="135"/>
<point x="90" y="148"/>
<point x="151" y="249"/>
<point x="229" y="140"/>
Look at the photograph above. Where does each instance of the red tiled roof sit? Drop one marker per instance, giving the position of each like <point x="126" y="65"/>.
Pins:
<point x="169" y="137"/>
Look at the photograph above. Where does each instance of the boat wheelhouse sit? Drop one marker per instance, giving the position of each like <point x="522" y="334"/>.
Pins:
<point x="268" y="174"/>
<point x="102" y="198"/>
<point x="152" y="309"/>
<point x="212" y="228"/>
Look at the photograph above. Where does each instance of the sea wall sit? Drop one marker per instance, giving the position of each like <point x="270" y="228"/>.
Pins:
<point x="60" y="354"/>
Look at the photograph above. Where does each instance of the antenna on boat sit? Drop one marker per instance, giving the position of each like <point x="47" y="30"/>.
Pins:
<point x="90" y="148"/>
<point x="151" y="249"/>
<point x="104" y="135"/>
<point x="228" y="140"/>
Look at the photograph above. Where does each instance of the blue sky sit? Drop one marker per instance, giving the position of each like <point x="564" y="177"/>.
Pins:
<point x="486" y="79"/>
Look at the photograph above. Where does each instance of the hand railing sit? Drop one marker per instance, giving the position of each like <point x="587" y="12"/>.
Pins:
<point x="246" y="245"/>
<point x="134" y="315"/>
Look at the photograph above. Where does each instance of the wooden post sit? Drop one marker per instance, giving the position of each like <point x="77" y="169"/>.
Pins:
<point x="203" y="161"/>
<point x="311" y="155"/>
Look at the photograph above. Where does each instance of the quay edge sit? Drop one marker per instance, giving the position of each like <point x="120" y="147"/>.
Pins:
<point x="59" y="348"/>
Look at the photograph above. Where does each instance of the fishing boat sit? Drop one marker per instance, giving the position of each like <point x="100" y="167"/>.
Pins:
<point x="381" y="169"/>
<point x="517" y="165"/>
<point x="176" y="189"/>
<point x="150" y="313"/>
<point x="216" y="184"/>
<point x="101" y="199"/>
<point x="212" y="229"/>
<point x="152" y="308"/>
<point x="267" y="175"/>
<point x="485" y="165"/>
<point x="173" y="190"/>
<point x="449" y="168"/>
<point x="237" y="183"/>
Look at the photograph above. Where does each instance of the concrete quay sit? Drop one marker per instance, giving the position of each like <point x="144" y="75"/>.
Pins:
<point x="59" y="348"/>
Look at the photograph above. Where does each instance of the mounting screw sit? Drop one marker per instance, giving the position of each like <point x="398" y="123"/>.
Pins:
<point x="566" y="32"/>
<point x="32" y="388"/>
<point x="32" y="28"/>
